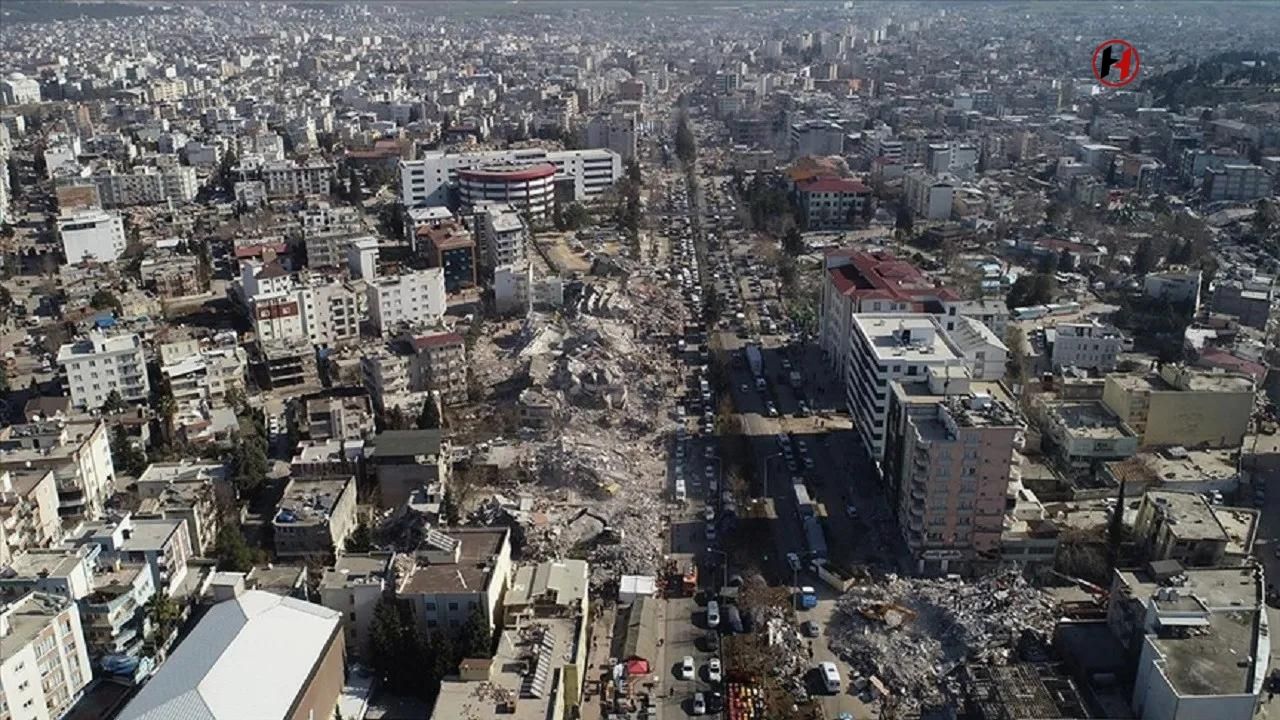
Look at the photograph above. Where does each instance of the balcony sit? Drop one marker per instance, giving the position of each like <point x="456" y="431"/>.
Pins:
<point x="917" y="493"/>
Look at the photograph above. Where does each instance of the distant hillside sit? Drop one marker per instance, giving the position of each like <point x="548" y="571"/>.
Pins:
<point x="17" y="11"/>
<point x="1215" y="79"/>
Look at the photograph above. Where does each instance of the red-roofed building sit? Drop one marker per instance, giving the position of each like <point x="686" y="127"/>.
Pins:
<point x="864" y="282"/>
<point x="450" y="246"/>
<point x="831" y="202"/>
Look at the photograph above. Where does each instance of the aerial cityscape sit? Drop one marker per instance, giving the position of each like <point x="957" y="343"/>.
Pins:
<point x="586" y="360"/>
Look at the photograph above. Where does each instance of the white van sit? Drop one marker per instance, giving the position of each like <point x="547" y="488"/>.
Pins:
<point x="830" y="676"/>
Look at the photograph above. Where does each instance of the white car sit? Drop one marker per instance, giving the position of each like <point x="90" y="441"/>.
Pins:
<point x="686" y="668"/>
<point x="699" y="704"/>
<point x="713" y="670"/>
<point x="709" y="514"/>
<point x="713" y="619"/>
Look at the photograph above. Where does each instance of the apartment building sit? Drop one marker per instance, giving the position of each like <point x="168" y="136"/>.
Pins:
<point x="1183" y="406"/>
<point x="457" y="571"/>
<point x="18" y="89"/>
<point x="1180" y="526"/>
<point x="146" y="185"/>
<point x="408" y="463"/>
<point x="354" y="586"/>
<point x="100" y="363"/>
<point x="1251" y="299"/>
<point x="439" y="364"/>
<point x="1188" y="628"/>
<point x="287" y="179"/>
<point x="951" y="452"/>
<point x="816" y="137"/>
<point x="1175" y="285"/>
<point x="427" y="181"/>
<point x="1088" y="346"/>
<point x="163" y="545"/>
<point x="319" y="217"/>
<point x="385" y="374"/>
<point x="614" y="131"/>
<point x="200" y="375"/>
<point x="277" y="657"/>
<point x="314" y="517"/>
<point x="451" y="247"/>
<point x="78" y="453"/>
<point x="91" y="235"/>
<point x="888" y="348"/>
<point x="332" y="248"/>
<point x="330" y="311"/>
<point x="289" y="307"/>
<point x="1081" y="434"/>
<point x="185" y="491"/>
<point x="347" y="418"/>
<point x="1236" y="182"/>
<point x="928" y="197"/>
<point x="412" y="299"/>
<point x="831" y="202"/>
<point x="114" y="614"/>
<point x="28" y="511"/>
<point x="44" y="662"/>
<point x="877" y="282"/>
<point x="504" y="236"/>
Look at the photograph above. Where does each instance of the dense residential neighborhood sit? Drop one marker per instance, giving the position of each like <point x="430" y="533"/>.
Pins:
<point x="605" y="361"/>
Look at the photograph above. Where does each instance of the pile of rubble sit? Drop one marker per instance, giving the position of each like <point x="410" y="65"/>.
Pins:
<point x="788" y="650"/>
<point x="912" y="633"/>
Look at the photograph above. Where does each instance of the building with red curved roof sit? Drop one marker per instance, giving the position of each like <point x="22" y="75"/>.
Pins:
<point x="530" y="187"/>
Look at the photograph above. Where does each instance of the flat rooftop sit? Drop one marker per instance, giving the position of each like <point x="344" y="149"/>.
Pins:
<point x="1196" y="381"/>
<point x="151" y="534"/>
<point x="472" y="571"/>
<point x="925" y="340"/>
<point x="1188" y="515"/>
<point x="1196" y="466"/>
<point x="45" y="563"/>
<point x="311" y="499"/>
<point x="550" y="643"/>
<point x="1207" y="661"/>
<point x="1222" y="588"/>
<point x="28" y="616"/>
<point x="1090" y="418"/>
<point x="355" y="570"/>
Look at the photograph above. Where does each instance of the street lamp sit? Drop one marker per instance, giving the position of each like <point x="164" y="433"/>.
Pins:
<point x="767" y="459"/>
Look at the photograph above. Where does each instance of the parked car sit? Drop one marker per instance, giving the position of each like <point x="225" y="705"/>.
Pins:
<point x="699" y="704"/>
<point x="686" y="668"/>
<point x="809" y="628"/>
<point x="713" y="670"/>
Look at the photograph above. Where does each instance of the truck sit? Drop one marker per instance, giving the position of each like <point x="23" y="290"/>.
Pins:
<point x="755" y="360"/>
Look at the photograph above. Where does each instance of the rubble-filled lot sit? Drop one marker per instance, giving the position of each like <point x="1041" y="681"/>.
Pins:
<point x="912" y="632"/>
<point x="595" y="484"/>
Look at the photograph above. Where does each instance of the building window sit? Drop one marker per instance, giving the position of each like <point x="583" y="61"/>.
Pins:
<point x="453" y="607"/>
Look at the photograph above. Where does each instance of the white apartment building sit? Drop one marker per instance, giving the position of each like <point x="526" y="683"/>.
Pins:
<point x="426" y="181"/>
<point x="330" y="312"/>
<point x="320" y="217"/>
<point x="816" y="137"/>
<point x="412" y="299"/>
<point x="201" y="376"/>
<point x="100" y="363"/>
<point x="1090" y="346"/>
<point x="18" y="89"/>
<point x="285" y="306"/>
<point x="147" y="186"/>
<point x="44" y="661"/>
<point x="289" y="179"/>
<point x="78" y="453"/>
<point x="891" y="347"/>
<point x="511" y="286"/>
<point x="504" y="236"/>
<point x="91" y="234"/>
<point x="386" y="377"/>
<point x="928" y="197"/>
<point x="614" y="131"/>
<point x="1180" y="285"/>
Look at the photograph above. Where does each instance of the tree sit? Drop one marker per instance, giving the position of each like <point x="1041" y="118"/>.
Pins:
<point x="1032" y="290"/>
<point x="394" y="418"/>
<point x="686" y="143"/>
<point x="4" y="379"/>
<point x="104" y="299"/>
<point x="226" y="171"/>
<point x="904" y="221"/>
<point x="398" y="653"/>
<point x="1115" y="530"/>
<point x="450" y="513"/>
<point x="429" y="418"/>
<point x="125" y="456"/>
<point x="114" y="402"/>
<point x="868" y="209"/>
<point x="164" y="614"/>
<point x="249" y="464"/>
<point x="793" y="242"/>
<point x="355" y="188"/>
<point x="6" y="304"/>
<point x="475" y="640"/>
<point x="233" y="553"/>
<point x="361" y="539"/>
<point x="575" y="216"/>
<point x="1144" y="260"/>
<point x="1048" y="263"/>
<point x="633" y="172"/>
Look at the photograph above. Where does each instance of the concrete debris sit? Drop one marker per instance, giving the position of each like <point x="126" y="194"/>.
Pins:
<point x="601" y="385"/>
<point x="912" y="632"/>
